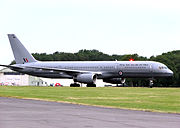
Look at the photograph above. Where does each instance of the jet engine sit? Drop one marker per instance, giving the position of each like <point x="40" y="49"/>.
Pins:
<point x="86" y="78"/>
<point x="115" y="80"/>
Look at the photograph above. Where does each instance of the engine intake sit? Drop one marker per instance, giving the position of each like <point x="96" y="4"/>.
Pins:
<point x="86" y="78"/>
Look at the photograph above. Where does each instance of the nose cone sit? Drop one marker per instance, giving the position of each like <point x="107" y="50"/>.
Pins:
<point x="170" y="73"/>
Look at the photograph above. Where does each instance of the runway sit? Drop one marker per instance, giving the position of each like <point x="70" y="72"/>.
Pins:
<point x="21" y="113"/>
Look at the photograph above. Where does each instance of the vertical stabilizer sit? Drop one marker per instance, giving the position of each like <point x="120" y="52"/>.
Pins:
<point x="21" y="54"/>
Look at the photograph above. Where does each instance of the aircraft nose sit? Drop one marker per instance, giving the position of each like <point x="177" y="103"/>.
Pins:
<point x="170" y="72"/>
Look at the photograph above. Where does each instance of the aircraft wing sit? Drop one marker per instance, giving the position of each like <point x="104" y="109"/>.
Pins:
<point x="67" y="71"/>
<point x="12" y="66"/>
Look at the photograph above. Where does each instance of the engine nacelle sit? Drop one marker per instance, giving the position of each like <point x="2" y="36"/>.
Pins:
<point x="114" y="80"/>
<point x="86" y="78"/>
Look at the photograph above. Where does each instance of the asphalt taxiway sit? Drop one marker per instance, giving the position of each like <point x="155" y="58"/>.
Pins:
<point x="22" y="113"/>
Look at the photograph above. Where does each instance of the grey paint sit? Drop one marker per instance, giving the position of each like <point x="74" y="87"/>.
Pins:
<point x="19" y="51"/>
<point x="109" y="69"/>
<point x="101" y="69"/>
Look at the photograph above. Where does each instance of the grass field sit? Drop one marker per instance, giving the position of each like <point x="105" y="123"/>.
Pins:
<point x="146" y="99"/>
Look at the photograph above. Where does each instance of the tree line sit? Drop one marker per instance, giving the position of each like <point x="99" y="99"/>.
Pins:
<point x="171" y="59"/>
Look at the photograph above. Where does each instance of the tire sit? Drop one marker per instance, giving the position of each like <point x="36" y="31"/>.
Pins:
<point x="91" y="85"/>
<point x="74" y="85"/>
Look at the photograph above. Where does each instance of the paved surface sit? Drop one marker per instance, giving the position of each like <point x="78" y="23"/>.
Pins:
<point x="19" y="113"/>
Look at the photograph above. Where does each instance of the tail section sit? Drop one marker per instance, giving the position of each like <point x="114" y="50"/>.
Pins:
<point x="21" y="54"/>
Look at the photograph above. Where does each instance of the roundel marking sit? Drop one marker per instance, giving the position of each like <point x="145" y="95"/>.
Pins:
<point x="120" y="73"/>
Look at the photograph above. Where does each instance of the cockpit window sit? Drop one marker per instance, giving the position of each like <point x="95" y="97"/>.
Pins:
<point x="162" y="67"/>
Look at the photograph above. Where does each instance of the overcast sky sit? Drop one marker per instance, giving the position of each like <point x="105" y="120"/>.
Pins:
<point x="145" y="27"/>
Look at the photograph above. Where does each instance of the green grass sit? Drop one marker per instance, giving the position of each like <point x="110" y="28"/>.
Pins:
<point x="147" y="99"/>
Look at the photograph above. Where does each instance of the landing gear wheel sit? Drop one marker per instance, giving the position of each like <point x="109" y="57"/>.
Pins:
<point x="74" y="85"/>
<point x="91" y="85"/>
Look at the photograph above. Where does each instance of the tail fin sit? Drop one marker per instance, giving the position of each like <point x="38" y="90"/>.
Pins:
<point x="21" y="54"/>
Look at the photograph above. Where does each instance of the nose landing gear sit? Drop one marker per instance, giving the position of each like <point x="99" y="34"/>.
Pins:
<point x="151" y="83"/>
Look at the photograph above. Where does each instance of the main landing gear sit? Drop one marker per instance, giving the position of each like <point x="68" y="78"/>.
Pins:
<point x="74" y="85"/>
<point x="91" y="85"/>
<point x="78" y="85"/>
<point x="123" y="80"/>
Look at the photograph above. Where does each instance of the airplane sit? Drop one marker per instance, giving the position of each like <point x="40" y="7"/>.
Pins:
<point x="86" y="72"/>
